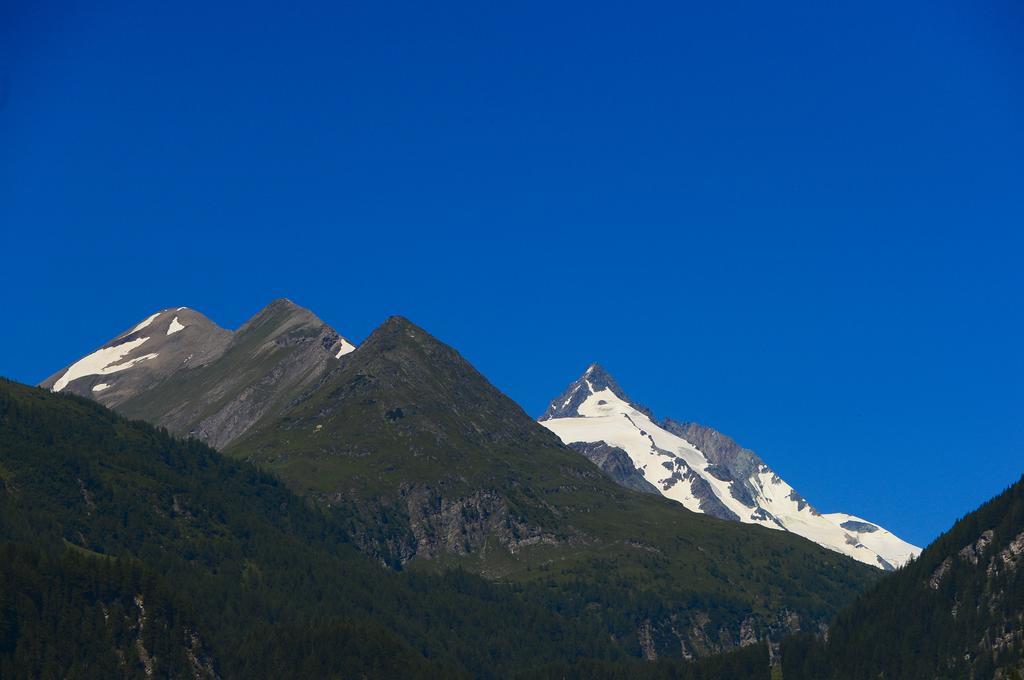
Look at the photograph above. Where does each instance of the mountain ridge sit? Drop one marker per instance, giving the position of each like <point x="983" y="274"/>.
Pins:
<point x="198" y="379"/>
<point x="430" y="466"/>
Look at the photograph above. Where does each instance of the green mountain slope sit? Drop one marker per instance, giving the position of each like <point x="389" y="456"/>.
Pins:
<point x="956" y="612"/>
<point x="430" y="465"/>
<point x="221" y="570"/>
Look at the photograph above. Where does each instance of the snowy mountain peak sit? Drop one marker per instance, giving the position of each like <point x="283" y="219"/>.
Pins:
<point x="600" y="379"/>
<point x="704" y="470"/>
<point x="595" y="379"/>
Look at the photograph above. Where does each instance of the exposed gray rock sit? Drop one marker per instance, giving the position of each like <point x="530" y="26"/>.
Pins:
<point x="1008" y="559"/>
<point x="593" y="380"/>
<point x="699" y="487"/>
<point x="799" y="500"/>
<point x="616" y="463"/>
<point x="729" y="461"/>
<point x="859" y="527"/>
<point x="972" y="553"/>
<point x="646" y="640"/>
<point x="935" y="580"/>
<point x="462" y="526"/>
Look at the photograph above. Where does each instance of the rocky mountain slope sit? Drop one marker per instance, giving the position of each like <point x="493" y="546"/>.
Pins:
<point x="703" y="470"/>
<point x="179" y="370"/>
<point x="955" y="612"/>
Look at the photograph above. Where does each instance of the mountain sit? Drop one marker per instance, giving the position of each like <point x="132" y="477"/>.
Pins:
<point x="427" y="466"/>
<point x="704" y="470"/>
<point x="433" y="467"/>
<point x="179" y="370"/>
<point x="955" y="612"/>
<point x="125" y="552"/>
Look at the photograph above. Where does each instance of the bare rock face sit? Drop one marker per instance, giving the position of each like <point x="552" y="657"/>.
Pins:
<point x="731" y="462"/>
<point x="462" y="526"/>
<point x="699" y="633"/>
<point x="972" y="553"/>
<point x="616" y="463"/>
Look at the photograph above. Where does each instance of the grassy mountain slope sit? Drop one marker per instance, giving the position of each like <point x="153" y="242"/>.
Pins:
<point x="956" y="612"/>
<point x="424" y="458"/>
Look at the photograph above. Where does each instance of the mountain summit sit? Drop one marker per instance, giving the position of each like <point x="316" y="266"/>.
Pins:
<point x="703" y="470"/>
<point x="178" y="369"/>
<point x="163" y="343"/>
<point x="594" y="379"/>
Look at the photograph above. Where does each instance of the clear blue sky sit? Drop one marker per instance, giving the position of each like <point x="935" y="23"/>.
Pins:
<point x="798" y="224"/>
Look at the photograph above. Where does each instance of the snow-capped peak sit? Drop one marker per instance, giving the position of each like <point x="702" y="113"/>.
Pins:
<point x="593" y="380"/>
<point x="707" y="472"/>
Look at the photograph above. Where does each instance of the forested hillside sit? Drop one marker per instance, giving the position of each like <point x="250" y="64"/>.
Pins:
<point x="126" y="550"/>
<point x="956" y="612"/>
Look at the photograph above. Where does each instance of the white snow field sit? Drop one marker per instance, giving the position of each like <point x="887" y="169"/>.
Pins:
<point x="175" y="326"/>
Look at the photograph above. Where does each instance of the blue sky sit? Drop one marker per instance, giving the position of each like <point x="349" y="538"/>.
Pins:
<point x="800" y="225"/>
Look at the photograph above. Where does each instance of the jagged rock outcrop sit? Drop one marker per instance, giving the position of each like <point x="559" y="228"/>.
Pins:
<point x="615" y="463"/>
<point x="463" y="526"/>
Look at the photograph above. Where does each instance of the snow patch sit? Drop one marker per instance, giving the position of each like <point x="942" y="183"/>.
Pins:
<point x="100" y="387"/>
<point x="345" y="348"/>
<point x="148" y="320"/>
<point x="175" y="326"/>
<point x="101" y="362"/>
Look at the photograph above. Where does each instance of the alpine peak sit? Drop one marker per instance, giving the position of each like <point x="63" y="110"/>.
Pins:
<point x="705" y="471"/>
